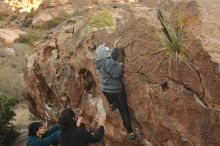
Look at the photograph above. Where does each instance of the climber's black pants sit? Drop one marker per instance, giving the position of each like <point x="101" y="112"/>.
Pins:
<point x="120" y="100"/>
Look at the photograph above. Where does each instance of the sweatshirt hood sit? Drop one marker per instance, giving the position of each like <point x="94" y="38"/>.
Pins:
<point x="102" y="52"/>
<point x="66" y="117"/>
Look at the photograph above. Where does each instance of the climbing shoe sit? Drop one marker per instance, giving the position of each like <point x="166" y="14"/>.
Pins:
<point x="132" y="136"/>
<point x="113" y="106"/>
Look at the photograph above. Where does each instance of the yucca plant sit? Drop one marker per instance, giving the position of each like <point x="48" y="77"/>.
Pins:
<point x="173" y="39"/>
<point x="172" y="36"/>
<point x="99" y="18"/>
<point x="174" y="46"/>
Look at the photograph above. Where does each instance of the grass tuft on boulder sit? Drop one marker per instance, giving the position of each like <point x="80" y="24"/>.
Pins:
<point x="98" y="18"/>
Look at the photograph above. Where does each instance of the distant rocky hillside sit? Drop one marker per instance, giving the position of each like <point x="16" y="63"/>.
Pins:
<point x="173" y="97"/>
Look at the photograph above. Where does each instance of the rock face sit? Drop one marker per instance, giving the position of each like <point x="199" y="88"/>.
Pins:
<point x="211" y="35"/>
<point x="171" y="103"/>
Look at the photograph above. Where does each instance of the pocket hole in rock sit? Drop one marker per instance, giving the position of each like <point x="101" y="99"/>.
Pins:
<point x="89" y="81"/>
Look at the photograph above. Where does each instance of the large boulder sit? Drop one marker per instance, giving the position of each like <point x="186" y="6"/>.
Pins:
<point x="5" y="9"/>
<point x="7" y="52"/>
<point x="171" y="103"/>
<point x="53" y="3"/>
<point x="40" y="18"/>
<point x="89" y="3"/>
<point x="8" y="36"/>
<point x="51" y="9"/>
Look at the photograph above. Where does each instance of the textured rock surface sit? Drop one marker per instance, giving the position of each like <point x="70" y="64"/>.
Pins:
<point x="211" y="28"/>
<point x="171" y="104"/>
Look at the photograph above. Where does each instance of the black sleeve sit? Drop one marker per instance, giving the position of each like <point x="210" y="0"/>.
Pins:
<point x="114" y="54"/>
<point x="95" y="137"/>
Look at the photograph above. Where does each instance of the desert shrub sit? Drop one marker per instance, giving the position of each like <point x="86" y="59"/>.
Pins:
<point x="28" y="19"/>
<point x="32" y="36"/>
<point x="8" y="131"/>
<point x="27" y="22"/>
<point x="13" y="17"/>
<point x="78" y="13"/>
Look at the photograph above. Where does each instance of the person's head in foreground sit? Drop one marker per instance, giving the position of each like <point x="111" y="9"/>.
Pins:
<point x="37" y="129"/>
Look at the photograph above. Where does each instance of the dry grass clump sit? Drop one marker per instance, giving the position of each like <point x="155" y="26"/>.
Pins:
<point x="99" y="18"/>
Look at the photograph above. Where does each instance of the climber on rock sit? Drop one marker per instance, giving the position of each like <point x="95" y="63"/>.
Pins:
<point x="39" y="135"/>
<point x="74" y="132"/>
<point x="111" y="84"/>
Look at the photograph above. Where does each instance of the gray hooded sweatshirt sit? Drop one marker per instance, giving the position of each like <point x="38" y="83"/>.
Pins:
<point x="111" y="74"/>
